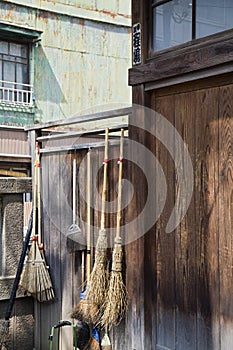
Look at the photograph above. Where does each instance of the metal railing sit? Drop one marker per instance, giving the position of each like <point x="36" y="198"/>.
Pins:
<point x="16" y="94"/>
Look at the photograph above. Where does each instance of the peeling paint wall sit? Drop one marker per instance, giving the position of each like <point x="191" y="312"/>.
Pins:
<point x="82" y="61"/>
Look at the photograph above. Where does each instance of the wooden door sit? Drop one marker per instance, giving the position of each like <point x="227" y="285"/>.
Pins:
<point x="188" y="273"/>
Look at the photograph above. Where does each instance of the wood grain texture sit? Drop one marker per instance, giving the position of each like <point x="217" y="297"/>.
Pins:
<point x="191" y="58"/>
<point x="66" y="260"/>
<point x="226" y="214"/>
<point x="185" y="232"/>
<point x="136" y="330"/>
<point x="206" y="204"/>
<point x="162" y="244"/>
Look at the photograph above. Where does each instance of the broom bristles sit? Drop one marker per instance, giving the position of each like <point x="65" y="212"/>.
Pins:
<point x="93" y="344"/>
<point x="99" y="277"/>
<point x="116" y="299"/>
<point x="86" y="311"/>
<point x="35" y="278"/>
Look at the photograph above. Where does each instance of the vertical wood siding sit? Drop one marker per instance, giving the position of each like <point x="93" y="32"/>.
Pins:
<point x="179" y="284"/>
<point x="61" y="255"/>
<point x="188" y="289"/>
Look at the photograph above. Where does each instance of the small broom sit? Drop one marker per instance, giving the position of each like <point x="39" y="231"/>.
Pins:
<point x="99" y="277"/>
<point x="74" y="232"/>
<point x="115" y="304"/>
<point x="35" y="278"/>
<point x="87" y="310"/>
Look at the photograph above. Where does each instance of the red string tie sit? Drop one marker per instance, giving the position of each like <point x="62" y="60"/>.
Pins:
<point x="120" y="161"/>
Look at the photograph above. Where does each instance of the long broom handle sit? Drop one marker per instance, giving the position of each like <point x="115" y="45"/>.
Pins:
<point x="104" y="191"/>
<point x="38" y="193"/>
<point x="35" y="190"/>
<point x="74" y="191"/>
<point x="118" y="234"/>
<point x="83" y="269"/>
<point x="88" y="215"/>
<point x="34" y="199"/>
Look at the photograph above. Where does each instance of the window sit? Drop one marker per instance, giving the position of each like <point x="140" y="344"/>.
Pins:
<point x="14" y="74"/>
<point x="179" y="21"/>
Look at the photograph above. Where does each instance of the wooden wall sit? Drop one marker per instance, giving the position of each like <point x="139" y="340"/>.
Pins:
<point x="187" y="302"/>
<point x="61" y="254"/>
<point x="179" y="284"/>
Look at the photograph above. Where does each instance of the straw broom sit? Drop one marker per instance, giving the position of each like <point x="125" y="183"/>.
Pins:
<point x="35" y="278"/>
<point x="87" y="310"/>
<point x="116" y="298"/>
<point x="99" y="277"/>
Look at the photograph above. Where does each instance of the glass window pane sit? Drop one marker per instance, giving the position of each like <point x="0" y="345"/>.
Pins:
<point x="213" y="16"/>
<point x="15" y="49"/>
<point x="3" y="47"/>
<point x="9" y="71"/>
<point x="172" y="24"/>
<point x="21" y="75"/>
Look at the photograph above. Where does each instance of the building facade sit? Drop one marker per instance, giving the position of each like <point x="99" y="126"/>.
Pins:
<point x="183" y="73"/>
<point x="61" y="58"/>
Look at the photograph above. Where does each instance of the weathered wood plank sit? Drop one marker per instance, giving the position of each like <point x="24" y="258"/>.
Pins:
<point x="135" y="321"/>
<point x="226" y="214"/>
<point x="162" y="244"/>
<point x="52" y="248"/>
<point x="206" y="204"/>
<point x="83" y="119"/>
<point x="43" y="311"/>
<point x="185" y="233"/>
<point x="188" y="59"/>
<point x="66" y="260"/>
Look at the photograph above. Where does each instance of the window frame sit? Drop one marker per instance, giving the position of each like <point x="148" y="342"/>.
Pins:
<point x="151" y="53"/>
<point x="15" y="94"/>
<point x="14" y="61"/>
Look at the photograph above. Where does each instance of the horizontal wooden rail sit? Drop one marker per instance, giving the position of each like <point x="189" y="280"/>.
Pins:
<point x="85" y="132"/>
<point x="83" y="119"/>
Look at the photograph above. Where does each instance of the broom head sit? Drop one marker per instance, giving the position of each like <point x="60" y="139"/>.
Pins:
<point x="75" y="236"/>
<point x="98" y="281"/>
<point x="86" y="310"/>
<point x="116" y="300"/>
<point x="35" y="278"/>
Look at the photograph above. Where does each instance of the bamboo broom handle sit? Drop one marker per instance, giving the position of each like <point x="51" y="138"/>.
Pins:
<point x="74" y="190"/>
<point x="34" y="201"/>
<point x="104" y="191"/>
<point x="38" y="193"/>
<point x="34" y="212"/>
<point x="88" y="215"/>
<point x="118" y="234"/>
<point x="83" y="269"/>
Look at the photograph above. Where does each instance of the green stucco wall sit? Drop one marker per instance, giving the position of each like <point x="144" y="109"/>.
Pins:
<point x="81" y="63"/>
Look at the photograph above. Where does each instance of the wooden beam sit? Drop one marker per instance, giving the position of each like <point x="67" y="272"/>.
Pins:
<point x="83" y="118"/>
<point x="12" y="173"/>
<point x="83" y="146"/>
<point x="82" y="133"/>
<point x="185" y="59"/>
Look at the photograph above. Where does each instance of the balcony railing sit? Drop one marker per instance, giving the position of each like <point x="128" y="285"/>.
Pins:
<point x="16" y="94"/>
